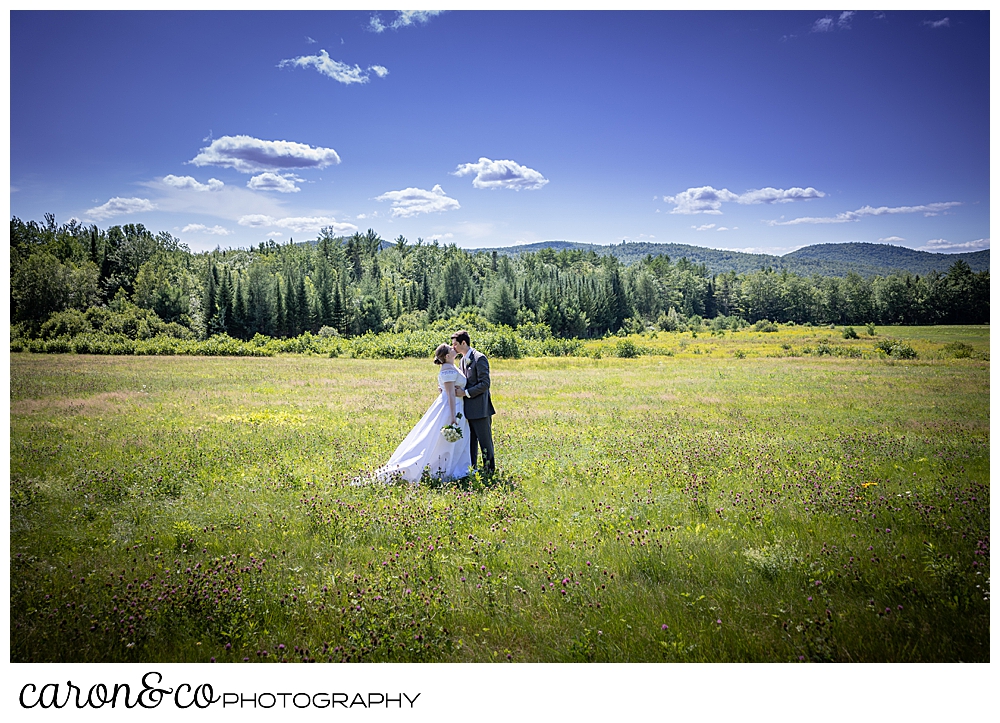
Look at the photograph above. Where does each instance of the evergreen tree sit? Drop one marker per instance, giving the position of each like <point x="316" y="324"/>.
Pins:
<point x="501" y="308"/>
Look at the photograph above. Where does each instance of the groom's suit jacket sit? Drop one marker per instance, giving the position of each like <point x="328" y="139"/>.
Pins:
<point x="476" y="367"/>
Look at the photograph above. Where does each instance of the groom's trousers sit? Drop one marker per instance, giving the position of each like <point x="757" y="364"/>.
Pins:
<point x="481" y="435"/>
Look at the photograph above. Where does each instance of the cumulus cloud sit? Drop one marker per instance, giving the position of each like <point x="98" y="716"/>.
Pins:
<point x="704" y="227"/>
<point x="403" y="19"/>
<point x="891" y="240"/>
<point x="202" y="228"/>
<point x="414" y="201"/>
<point x="341" y="72"/>
<point x="942" y="23"/>
<point x="709" y="200"/>
<point x="280" y="182"/>
<point x="940" y="244"/>
<point x="187" y="182"/>
<point x="118" y="207"/>
<point x="299" y="224"/>
<point x="252" y="155"/>
<point x="930" y="209"/>
<point x="502" y="174"/>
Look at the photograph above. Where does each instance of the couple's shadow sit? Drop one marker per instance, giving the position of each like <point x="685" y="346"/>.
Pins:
<point x="479" y="480"/>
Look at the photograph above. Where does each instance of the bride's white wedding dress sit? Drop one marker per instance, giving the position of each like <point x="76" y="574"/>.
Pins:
<point x="425" y="446"/>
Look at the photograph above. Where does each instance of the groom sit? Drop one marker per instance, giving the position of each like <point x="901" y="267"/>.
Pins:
<point x="478" y="405"/>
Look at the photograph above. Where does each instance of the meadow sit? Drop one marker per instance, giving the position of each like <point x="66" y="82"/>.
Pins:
<point x="733" y="497"/>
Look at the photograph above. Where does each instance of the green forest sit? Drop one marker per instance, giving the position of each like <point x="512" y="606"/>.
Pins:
<point x="71" y="279"/>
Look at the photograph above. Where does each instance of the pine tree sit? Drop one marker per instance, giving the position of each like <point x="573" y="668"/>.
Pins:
<point x="239" y="321"/>
<point x="209" y="307"/>
<point x="280" y="315"/>
<point x="301" y="305"/>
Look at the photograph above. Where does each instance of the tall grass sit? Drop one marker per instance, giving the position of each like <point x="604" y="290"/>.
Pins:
<point x="694" y="507"/>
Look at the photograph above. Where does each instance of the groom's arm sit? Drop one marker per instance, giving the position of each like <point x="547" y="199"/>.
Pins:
<point x="482" y="378"/>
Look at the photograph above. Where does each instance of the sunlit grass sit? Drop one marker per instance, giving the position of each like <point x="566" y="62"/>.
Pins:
<point x="664" y="508"/>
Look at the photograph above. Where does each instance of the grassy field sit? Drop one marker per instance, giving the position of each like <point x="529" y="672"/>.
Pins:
<point x="696" y="505"/>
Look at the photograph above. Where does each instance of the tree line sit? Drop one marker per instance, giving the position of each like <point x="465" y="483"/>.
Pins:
<point x="68" y="275"/>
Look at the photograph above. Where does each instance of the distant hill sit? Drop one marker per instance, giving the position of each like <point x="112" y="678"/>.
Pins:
<point x="825" y="259"/>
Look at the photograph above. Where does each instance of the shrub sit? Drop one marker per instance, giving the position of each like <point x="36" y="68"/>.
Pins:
<point x="65" y="323"/>
<point x="896" y="349"/>
<point x="870" y="327"/>
<point x="554" y="347"/>
<point x="502" y="343"/>
<point x="765" y="326"/>
<point x="626" y="349"/>
<point x="849" y="333"/>
<point x="959" y="350"/>
<point x="534" y="330"/>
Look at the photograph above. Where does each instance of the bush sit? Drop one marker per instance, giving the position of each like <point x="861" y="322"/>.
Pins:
<point x="534" y="330"/>
<point x="502" y="343"/>
<point x="765" y="326"/>
<point x="554" y="347"/>
<point x="849" y="333"/>
<point x="896" y="349"/>
<point x="65" y="323"/>
<point x="626" y="349"/>
<point x="419" y="344"/>
<point x="870" y="328"/>
<point x="959" y="350"/>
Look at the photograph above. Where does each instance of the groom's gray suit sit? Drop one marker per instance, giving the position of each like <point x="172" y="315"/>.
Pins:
<point x="479" y="407"/>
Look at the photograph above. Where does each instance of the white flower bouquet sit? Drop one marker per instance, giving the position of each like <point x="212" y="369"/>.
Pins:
<point x="452" y="432"/>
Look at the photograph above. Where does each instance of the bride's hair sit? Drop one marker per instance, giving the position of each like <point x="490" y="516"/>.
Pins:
<point x="440" y="353"/>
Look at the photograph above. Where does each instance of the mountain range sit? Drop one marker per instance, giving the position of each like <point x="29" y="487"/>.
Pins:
<point x="866" y="259"/>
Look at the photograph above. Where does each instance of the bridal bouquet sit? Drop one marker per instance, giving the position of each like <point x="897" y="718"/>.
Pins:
<point x="452" y="432"/>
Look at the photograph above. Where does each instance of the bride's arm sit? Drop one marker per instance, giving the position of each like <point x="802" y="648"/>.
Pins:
<point x="449" y="394"/>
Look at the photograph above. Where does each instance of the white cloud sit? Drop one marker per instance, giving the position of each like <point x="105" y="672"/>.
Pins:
<point x="403" y="19"/>
<point x="709" y="200"/>
<point x="275" y="234"/>
<point x="413" y="201"/>
<point x="187" y="182"/>
<point x="942" y="23"/>
<point x="440" y="236"/>
<point x="341" y="72"/>
<point x="280" y="182"/>
<point x="844" y="21"/>
<point x="891" y="240"/>
<point x="202" y="228"/>
<point x="310" y="41"/>
<point x="940" y="244"/>
<point x="722" y="228"/>
<point x="119" y="206"/>
<point x="823" y="25"/>
<point x="299" y="224"/>
<point x="704" y="227"/>
<point x="251" y="155"/>
<point x="502" y="174"/>
<point x="930" y="209"/>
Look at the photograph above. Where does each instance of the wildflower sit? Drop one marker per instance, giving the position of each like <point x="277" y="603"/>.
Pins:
<point x="664" y="626"/>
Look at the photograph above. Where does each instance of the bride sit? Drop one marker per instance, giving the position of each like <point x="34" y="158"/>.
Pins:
<point x="425" y="447"/>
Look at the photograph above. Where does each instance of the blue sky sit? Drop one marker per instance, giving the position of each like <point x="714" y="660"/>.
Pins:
<point x="758" y="131"/>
